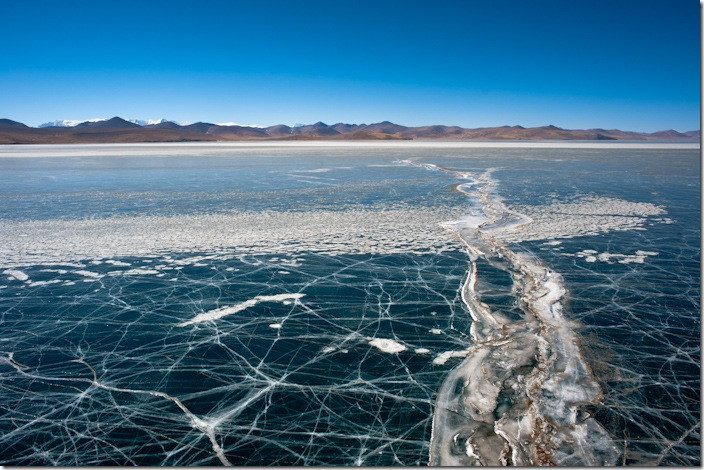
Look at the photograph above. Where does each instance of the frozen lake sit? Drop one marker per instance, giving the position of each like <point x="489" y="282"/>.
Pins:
<point x="350" y="304"/>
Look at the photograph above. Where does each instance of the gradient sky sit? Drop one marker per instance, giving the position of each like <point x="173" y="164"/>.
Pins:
<point x="624" y="64"/>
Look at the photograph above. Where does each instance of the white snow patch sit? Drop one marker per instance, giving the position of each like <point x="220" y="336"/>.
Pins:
<point x="553" y="243"/>
<point x="138" y="271"/>
<point x="591" y="256"/>
<point x="16" y="274"/>
<point x="375" y="230"/>
<point x="43" y="283"/>
<point x="116" y="263"/>
<point x="230" y="123"/>
<point x="589" y="215"/>
<point x="230" y="310"/>
<point x="389" y="346"/>
<point x="443" y="357"/>
<point x="90" y="274"/>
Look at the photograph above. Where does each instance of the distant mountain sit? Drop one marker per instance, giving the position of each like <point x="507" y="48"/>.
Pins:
<point x="280" y="130"/>
<point x="201" y="127"/>
<point x="530" y="133"/>
<point x="11" y="123"/>
<point x="237" y="132"/>
<point x="318" y="129"/>
<point x="433" y="132"/>
<point x="368" y="135"/>
<point x="619" y="135"/>
<point x="385" y="127"/>
<point x="668" y="135"/>
<point x="122" y="130"/>
<point x="114" y="123"/>
<point x="345" y="128"/>
<point x="164" y="124"/>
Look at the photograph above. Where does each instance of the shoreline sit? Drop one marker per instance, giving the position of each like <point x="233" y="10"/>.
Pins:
<point x="103" y="149"/>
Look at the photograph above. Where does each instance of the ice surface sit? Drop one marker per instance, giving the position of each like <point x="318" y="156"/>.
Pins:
<point x="434" y="303"/>
<point x="347" y="368"/>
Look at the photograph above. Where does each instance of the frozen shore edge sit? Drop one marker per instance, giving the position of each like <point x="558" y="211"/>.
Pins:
<point x="214" y="148"/>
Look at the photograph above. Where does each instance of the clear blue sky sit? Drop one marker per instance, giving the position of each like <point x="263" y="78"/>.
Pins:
<point x="577" y="64"/>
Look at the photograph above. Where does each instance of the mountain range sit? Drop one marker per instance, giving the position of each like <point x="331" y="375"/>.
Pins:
<point x="118" y="130"/>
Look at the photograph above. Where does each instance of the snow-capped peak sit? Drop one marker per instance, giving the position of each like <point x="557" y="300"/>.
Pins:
<point x="148" y="122"/>
<point x="236" y="124"/>
<point x="156" y="121"/>
<point x="69" y="122"/>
